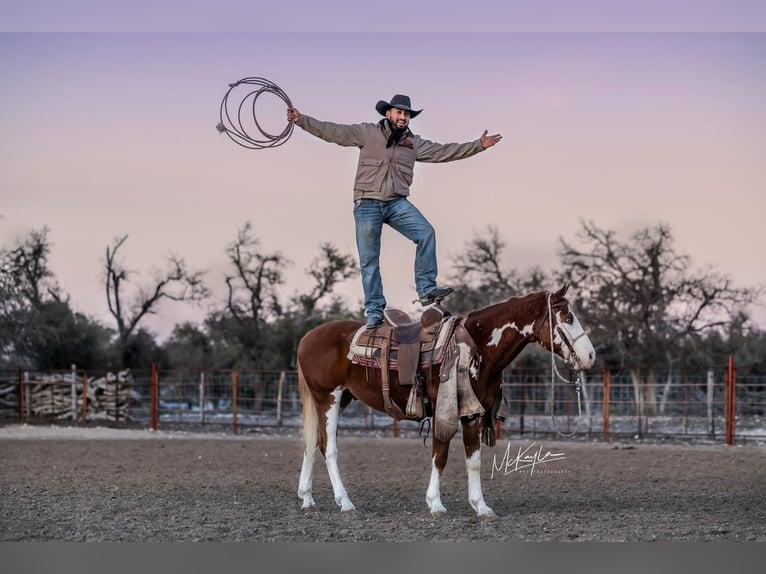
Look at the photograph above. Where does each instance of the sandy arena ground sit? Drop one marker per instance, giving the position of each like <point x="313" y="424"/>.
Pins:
<point x="72" y="484"/>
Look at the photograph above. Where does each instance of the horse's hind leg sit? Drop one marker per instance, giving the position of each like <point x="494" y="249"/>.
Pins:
<point x="311" y="436"/>
<point x="306" y="481"/>
<point x="472" y="442"/>
<point x="331" y="453"/>
<point x="438" y="462"/>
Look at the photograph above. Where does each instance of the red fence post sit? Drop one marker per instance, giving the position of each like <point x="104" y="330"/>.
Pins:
<point x="729" y="401"/>
<point x="280" y="392"/>
<point x="605" y="406"/>
<point x="522" y="402"/>
<point x="533" y="402"/>
<point x="637" y="384"/>
<point x="686" y="402"/>
<point x="155" y="396"/>
<point x="234" y="402"/>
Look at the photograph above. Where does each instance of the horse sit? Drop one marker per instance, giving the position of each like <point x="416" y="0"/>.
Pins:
<point x="329" y="381"/>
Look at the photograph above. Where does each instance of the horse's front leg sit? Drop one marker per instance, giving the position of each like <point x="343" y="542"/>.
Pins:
<point x="331" y="454"/>
<point x="472" y="442"/>
<point x="438" y="462"/>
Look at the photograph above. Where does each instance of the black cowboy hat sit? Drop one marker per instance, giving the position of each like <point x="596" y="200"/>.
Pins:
<point x="398" y="101"/>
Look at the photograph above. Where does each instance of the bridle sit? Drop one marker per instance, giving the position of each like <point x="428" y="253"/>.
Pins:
<point x="567" y="339"/>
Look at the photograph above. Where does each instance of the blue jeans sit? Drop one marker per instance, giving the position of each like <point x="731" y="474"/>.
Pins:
<point x="370" y="215"/>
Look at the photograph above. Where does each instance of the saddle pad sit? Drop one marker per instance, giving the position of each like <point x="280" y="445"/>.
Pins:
<point x="369" y="356"/>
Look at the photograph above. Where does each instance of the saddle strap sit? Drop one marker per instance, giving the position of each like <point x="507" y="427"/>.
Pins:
<point x="415" y="408"/>
<point x="408" y="357"/>
<point x="390" y="406"/>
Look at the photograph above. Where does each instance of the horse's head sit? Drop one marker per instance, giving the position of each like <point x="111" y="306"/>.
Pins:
<point x="561" y="332"/>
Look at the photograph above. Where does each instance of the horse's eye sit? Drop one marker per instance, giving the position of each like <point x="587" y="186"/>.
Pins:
<point x="569" y="320"/>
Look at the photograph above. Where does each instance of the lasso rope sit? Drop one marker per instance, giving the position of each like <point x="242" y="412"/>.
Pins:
<point x="235" y="129"/>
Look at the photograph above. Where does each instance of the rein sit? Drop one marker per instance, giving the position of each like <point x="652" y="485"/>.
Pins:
<point x="554" y="370"/>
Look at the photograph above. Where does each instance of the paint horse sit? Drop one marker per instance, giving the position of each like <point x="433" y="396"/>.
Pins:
<point x="329" y="381"/>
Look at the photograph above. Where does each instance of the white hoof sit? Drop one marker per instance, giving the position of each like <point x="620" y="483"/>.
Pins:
<point x="308" y="502"/>
<point x="437" y="509"/>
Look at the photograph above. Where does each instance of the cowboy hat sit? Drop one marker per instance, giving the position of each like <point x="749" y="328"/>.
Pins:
<point x="398" y="101"/>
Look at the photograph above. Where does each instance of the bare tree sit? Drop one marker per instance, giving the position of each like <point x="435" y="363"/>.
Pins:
<point x="175" y="283"/>
<point x="482" y="279"/>
<point x="262" y="319"/>
<point x="26" y="280"/>
<point x="643" y="298"/>
<point x="326" y="271"/>
<point x="252" y="288"/>
<point x="29" y="298"/>
<point x="38" y="327"/>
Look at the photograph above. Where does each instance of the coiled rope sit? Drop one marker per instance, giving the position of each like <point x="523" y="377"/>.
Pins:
<point x="244" y="106"/>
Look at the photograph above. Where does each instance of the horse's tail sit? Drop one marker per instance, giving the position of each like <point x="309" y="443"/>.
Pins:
<point x="310" y="417"/>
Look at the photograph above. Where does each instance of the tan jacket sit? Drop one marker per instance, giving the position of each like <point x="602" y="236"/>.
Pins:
<point x="386" y="173"/>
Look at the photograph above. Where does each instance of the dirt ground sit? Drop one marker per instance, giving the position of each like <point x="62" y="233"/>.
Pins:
<point x="180" y="487"/>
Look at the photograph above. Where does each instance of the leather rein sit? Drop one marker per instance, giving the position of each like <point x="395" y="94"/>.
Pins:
<point x="570" y="342"/>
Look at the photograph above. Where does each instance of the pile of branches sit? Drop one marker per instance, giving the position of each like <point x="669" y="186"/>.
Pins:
<point x="60" y="396"/>
<point x="9" y="400"/>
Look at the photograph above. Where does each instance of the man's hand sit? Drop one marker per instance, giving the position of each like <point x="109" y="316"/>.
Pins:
<point x="486" y="141"/>
<point x="293" y="115"/>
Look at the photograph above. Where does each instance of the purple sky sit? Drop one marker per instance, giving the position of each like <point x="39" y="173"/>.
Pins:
<point x="107" y="134"/>
<point x="389" y="16"/>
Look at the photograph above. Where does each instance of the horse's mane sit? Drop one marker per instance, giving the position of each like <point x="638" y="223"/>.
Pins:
<point x="492" y="309"/>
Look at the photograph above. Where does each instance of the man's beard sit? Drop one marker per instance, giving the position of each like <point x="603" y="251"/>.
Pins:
<point x="396" y="133"/>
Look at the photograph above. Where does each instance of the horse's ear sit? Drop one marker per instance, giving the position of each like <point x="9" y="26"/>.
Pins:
<point x="561" y="292"/>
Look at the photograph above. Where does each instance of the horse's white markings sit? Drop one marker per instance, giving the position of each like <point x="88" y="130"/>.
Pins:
<point x="306" y="481"/>
<point x="331" y="452"/>
<point x="528" y="329"/>
<point x="497" y="333"/>
<point x="333" y="412"/>
<point x="473" y="464"/>
<point x="475" y="496"/>
<point x="558" y="341"/>
<point x="581" y="343"/>
<point x="468" y="358"/>
<point x="305" y="484"/>
<point x="433" y="494"/>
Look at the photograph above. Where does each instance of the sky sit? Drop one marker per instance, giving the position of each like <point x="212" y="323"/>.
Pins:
<point x="106" y="134"/>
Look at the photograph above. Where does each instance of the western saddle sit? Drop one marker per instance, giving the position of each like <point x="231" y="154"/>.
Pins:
<point x="408" y="347"/>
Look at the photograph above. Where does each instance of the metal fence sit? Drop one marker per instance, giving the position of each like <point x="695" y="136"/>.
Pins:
<point x="714" y="404"/>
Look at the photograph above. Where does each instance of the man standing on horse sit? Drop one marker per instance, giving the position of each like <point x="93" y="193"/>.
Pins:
<point x="388" y="152"/>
